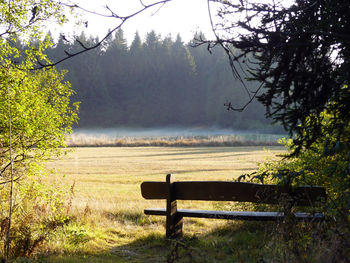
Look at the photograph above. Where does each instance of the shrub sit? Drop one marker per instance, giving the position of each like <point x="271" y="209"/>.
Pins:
<point x="39" y="210"/>
<point x="326" y="163"/>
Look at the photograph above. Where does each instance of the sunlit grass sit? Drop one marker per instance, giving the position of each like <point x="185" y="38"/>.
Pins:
<point x="84" y="140"/>
<point x="108" y="221"/>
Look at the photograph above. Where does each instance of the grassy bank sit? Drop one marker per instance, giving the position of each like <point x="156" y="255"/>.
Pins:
<point x="108" y="224"/>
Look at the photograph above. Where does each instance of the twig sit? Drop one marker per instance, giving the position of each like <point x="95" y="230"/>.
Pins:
<point x="8" y="238"/>
<point x="122" y="19"/>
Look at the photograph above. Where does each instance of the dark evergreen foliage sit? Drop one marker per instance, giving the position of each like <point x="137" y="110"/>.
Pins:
<point x="156" y="82"/>
<point x="301" y="54"/>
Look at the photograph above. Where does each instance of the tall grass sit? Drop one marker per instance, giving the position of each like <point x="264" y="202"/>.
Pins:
<point x="84" y="140"/>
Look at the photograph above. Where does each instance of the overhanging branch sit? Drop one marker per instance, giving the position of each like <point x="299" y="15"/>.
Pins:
<point x="122" y="20"/>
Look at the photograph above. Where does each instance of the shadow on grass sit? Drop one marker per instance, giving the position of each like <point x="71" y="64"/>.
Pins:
<point x="233" y="242"/>
<point x="199" y="151"/>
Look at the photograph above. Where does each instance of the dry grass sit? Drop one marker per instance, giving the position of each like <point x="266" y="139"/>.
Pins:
<point x="112" y="176"/>
<point x="79" y="140"/>
<point x="107" y="202"/>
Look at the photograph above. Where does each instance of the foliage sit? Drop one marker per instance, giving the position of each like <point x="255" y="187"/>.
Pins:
<point x="300" y="56"/>
<point x="299" y="52"/>
<point x="39" y="210"/>
<point x="26" y="18"/>
<point x="160" y="81"/>
<point x="35" y="117"/>
<point x="38" y="103"/>
<point x="325" y="163"/>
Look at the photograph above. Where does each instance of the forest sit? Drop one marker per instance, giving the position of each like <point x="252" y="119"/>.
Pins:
<point x="87" y="206"/>
<point x="155" y="82"/>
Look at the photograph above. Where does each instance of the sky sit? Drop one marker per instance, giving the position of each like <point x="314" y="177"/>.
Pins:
<point x="178" y="16"/>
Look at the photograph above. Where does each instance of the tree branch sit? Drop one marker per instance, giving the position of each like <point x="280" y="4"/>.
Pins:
<point x="122" y="19"/>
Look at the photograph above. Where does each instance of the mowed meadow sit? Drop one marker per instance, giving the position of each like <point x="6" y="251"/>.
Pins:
<point x="107" y="223"/>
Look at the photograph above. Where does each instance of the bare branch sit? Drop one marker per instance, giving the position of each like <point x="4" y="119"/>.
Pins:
<point x="255" y="93"/>
<point x="142" y="3"/>
<point x="14" y="180"/>
<point x="228" y="52"/>
<point x="15" y="160"/>
<point x="81" y="44"/>
<point x="122" y="19"/>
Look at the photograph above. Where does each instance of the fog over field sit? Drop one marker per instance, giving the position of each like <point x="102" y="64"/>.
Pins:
<point x="175" y="132"/>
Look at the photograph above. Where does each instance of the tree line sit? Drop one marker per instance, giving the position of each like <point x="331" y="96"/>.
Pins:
<point x="155" y="82"/>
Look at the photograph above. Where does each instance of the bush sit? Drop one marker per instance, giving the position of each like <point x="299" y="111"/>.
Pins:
<point x="36" y="116"/>
<point x="39" y="210"/>
<point x="326" y="163"/>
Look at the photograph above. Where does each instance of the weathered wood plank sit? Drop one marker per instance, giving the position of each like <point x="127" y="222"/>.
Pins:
<point x="238" y="215"/>
<point x="154" y="190"/>
<point x="155" y="211"/>
<point x="173" y="218"/>
<point x="229" y="191"/>
<point x="234" y="191"/>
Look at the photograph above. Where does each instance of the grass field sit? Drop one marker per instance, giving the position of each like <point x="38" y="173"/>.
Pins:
<point x="108" y="223"/>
